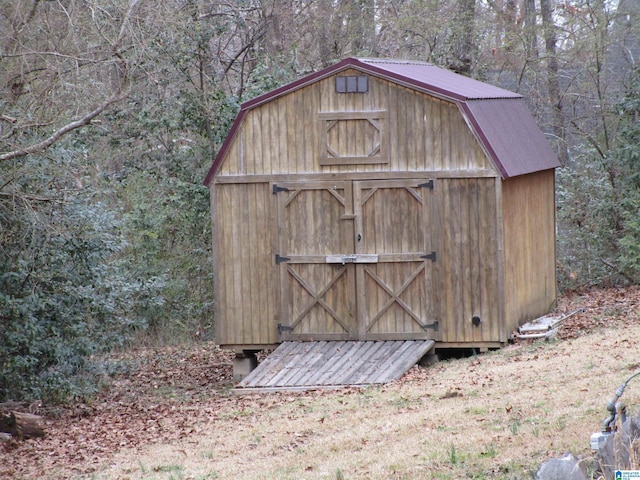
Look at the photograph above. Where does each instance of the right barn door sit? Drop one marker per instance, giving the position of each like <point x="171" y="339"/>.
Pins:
<point x="394" y="294"/>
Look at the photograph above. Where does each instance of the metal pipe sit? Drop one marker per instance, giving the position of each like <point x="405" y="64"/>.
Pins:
<point x="608" y="423"/>
<point x="621" y="411"/>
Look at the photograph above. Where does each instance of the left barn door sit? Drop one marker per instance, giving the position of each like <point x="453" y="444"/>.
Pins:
<point x="315" y="220"/>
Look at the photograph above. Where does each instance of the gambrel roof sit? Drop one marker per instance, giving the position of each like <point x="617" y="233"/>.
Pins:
<point x="499" y="118"/>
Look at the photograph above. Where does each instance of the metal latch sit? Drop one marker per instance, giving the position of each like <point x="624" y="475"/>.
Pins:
<point x="349" y="258"/>
<point x="284" y="328"/>
<point x="352" y="258"/>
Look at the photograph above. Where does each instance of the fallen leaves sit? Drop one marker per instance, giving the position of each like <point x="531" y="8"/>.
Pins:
<point x="171" y="393"/>
<point x="599" y="308"/>
<point x="164" y="398"/>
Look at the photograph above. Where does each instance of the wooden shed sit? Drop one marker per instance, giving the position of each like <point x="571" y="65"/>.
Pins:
<point x="387" y="200"/>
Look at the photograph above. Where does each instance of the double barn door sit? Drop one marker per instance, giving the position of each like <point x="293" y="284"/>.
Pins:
<point x="355" y="260"/>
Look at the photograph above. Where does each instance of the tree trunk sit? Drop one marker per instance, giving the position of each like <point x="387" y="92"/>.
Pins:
<point x="362" y="26"/>
<point x="530" y="29"/>
<point x="21" y="425"/>
<point x="462" y="41"/>
<point x="553" y="80"/>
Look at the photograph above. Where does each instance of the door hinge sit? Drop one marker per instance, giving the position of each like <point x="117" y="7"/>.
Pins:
<point x="428" y="185"/>
<point x="431" y="256"/>
<point x="280" y="259"/>
<point x="277" y="189"/>
<point x="431" y="326"/>
<point x="284" y="328"/>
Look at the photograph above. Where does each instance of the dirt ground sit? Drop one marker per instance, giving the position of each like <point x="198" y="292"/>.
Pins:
<point x="171" y="413"/>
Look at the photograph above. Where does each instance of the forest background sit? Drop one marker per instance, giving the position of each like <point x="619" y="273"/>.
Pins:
<point x="112" y="110"/>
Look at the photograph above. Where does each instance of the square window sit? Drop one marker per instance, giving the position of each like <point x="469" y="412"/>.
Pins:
<point x="352" y="84"/>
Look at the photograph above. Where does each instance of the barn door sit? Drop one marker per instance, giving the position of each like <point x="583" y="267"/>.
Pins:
<point x="315" y="222"/>
<point x="394" y="294"/>
<point x="355" y="260"/>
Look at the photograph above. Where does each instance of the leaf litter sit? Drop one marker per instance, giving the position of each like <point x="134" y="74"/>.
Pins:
<point x="171" y="394"/>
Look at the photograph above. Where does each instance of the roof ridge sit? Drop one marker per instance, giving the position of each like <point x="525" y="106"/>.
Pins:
<point x="396" y="61"/>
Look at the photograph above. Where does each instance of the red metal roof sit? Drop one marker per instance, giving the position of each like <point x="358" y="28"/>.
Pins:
<point x="432" y="79"/>
<point x="511" y="136"/>
<point x="498" y="117"/>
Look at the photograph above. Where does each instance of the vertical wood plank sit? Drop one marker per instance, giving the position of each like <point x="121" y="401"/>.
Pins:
<point x="489" y="239"/>
<point x="283" y="276"/>
<point x="456" y="271"/>
<point x="436" y="134"/>
<point x="466" y="247"/>
<point x="436" y="237"/>
<point x="293" y="140"/>
<point x="272" y="153"/>
<point x="234" y="274"/>
<point x="449" y="162"/>
<point x="478" y="254"/>
<point x="420" y="104"/>
<point x="501" y="261"/>
<point x="219" y="305"/>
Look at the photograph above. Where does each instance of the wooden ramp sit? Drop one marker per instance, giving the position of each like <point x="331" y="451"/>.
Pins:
<point x="306" y="365"/>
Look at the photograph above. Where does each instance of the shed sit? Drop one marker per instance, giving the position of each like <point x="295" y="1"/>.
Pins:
<point x="382" y="199"/>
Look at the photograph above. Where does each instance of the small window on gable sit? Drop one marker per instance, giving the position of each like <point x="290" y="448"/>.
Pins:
<point x="352" y="84"/>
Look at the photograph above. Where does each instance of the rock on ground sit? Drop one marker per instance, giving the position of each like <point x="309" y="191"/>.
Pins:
<point x="565" y="468"/>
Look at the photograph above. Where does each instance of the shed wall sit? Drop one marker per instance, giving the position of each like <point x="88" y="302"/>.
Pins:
<point x="419" y="132"/>
<point x="466" y="276"/>
<point x="529" y="246"/>
<point x="246" y="279"/>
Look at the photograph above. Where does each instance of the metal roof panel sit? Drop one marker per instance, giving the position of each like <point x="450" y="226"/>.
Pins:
<point x="511" y="136"/>
<point x="428" y="77"/>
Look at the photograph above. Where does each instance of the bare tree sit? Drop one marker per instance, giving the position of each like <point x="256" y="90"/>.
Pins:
<point x="64" y="65"/>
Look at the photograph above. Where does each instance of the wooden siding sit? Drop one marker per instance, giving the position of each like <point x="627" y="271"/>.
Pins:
<point x="528" y="205"/>
<point x="246" y="279"/>
<point x="466" y="273"/>
<point x="418" y="132"/>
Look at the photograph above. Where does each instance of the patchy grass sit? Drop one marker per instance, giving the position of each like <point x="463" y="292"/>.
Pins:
<point x="515" y="408"/>
<point x="493" y="416"/>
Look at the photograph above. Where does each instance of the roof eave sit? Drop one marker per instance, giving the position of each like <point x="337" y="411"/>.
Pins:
<point x="225" y="146"/>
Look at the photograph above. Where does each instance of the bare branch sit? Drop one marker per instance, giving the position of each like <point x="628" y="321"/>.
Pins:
<point x="81" y="122"/>
<point x="33" y="198"/>
<point x="125" y="22"/>
<point x="52" y="54"/>
<point x="119" y="95"/>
